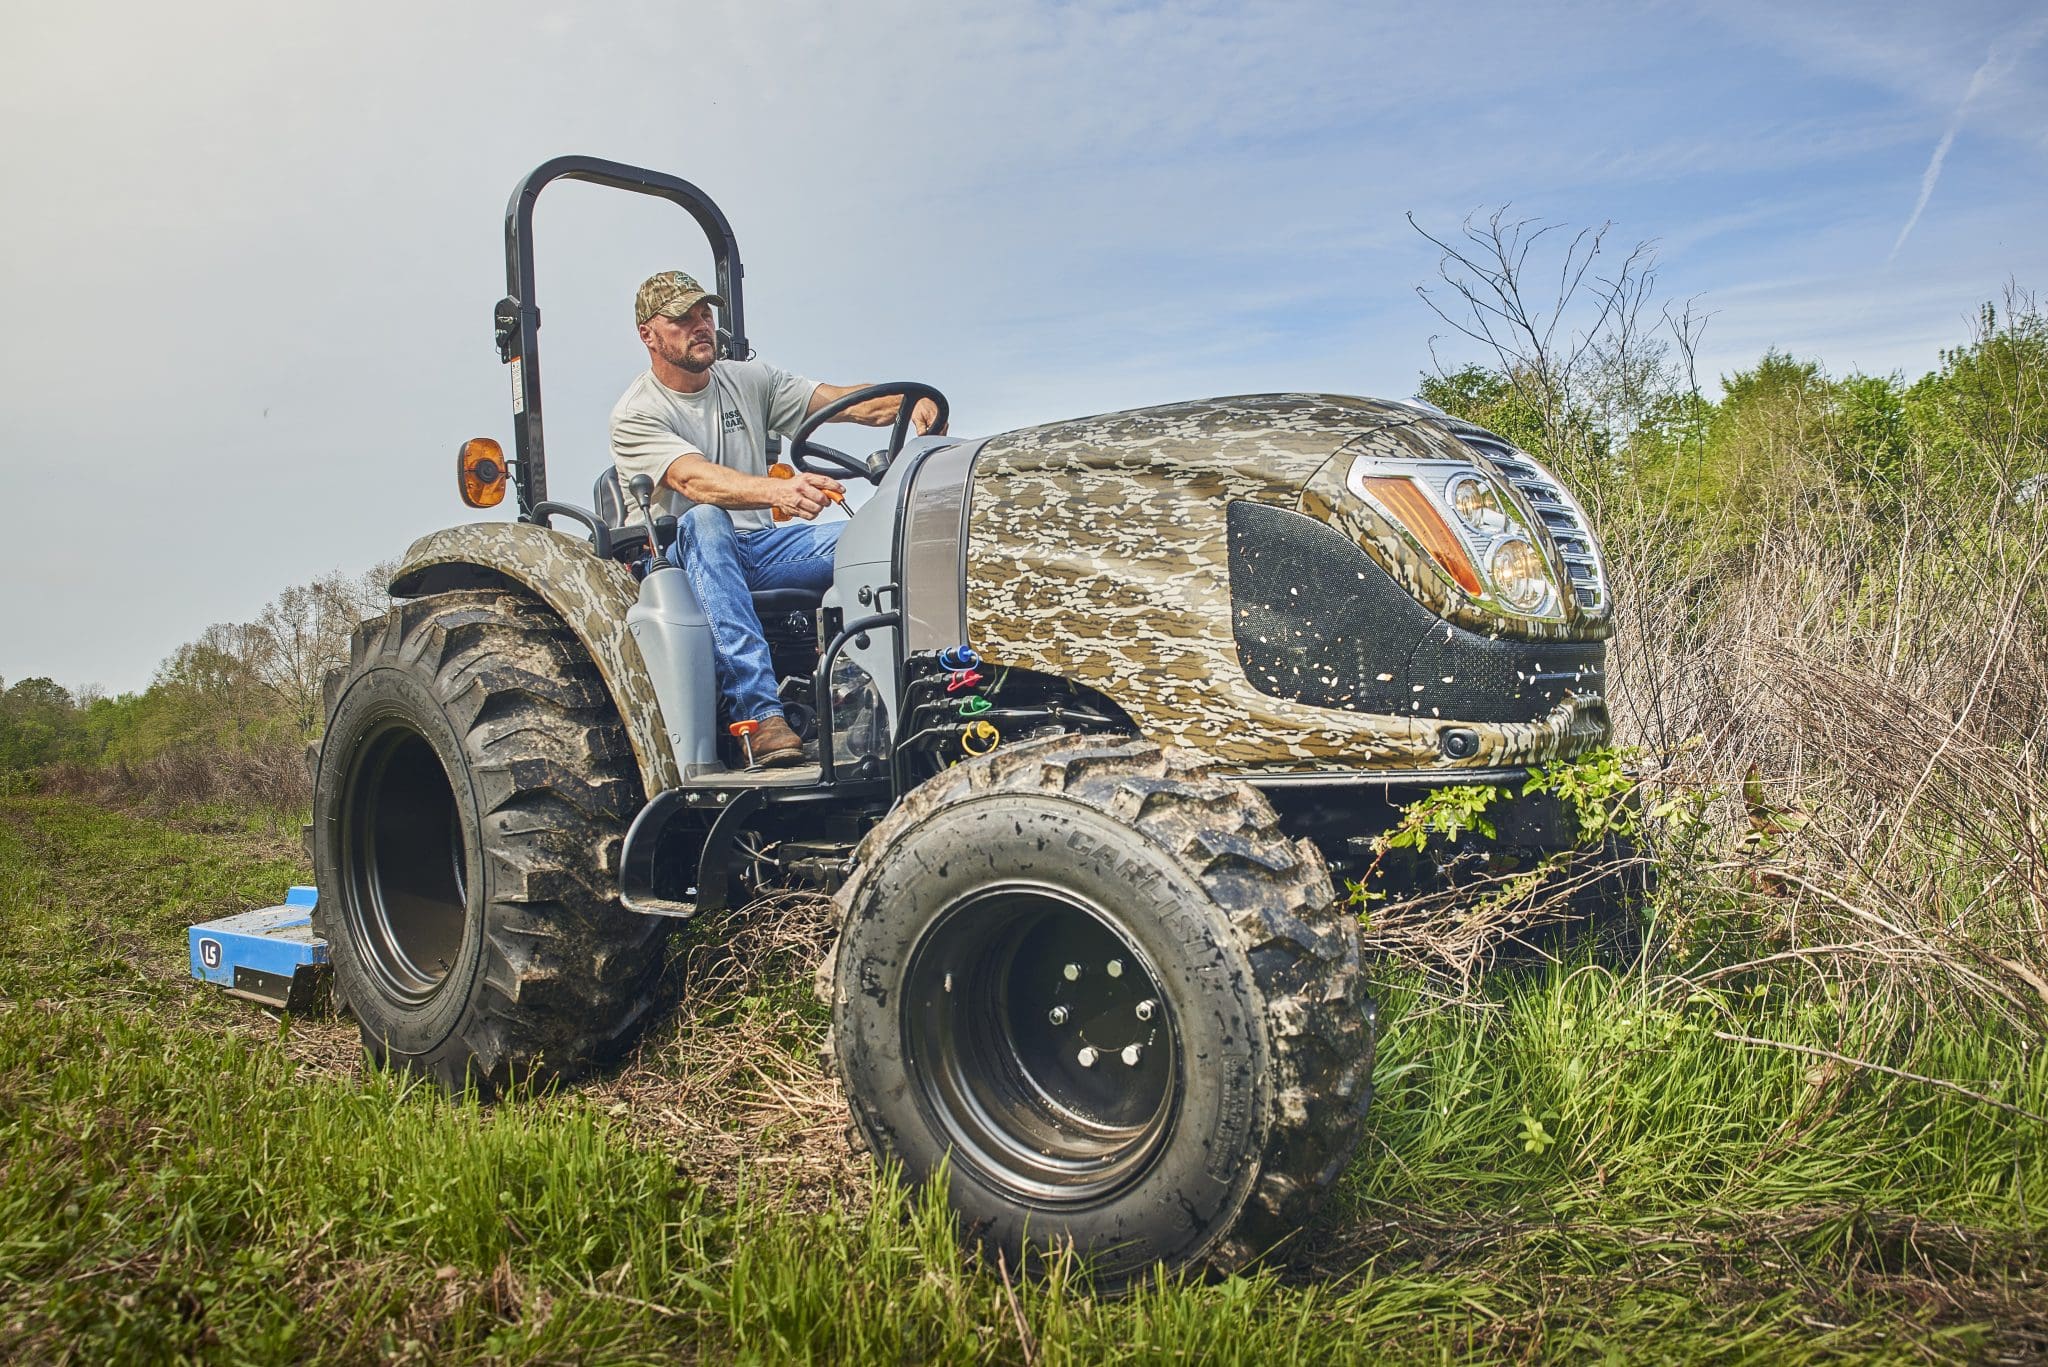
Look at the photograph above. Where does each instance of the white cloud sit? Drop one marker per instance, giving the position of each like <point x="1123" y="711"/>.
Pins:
<point x="1997" y="64"/>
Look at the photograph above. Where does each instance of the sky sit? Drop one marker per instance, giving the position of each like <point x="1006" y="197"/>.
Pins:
<point x="250" y="250"/>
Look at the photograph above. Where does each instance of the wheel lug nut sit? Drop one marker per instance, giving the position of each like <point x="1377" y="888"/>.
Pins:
<point x="1058" y="1015"/>
<point x="1072" y="972"/>
<point x="1132" y="1053"/>
<point x="1146" y="1008"/>
<point x="1086" y="1058"/>
<point x="1115" y="968"/>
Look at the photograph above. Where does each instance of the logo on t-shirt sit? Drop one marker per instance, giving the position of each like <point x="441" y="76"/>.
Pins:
<point x="733" y="422"/>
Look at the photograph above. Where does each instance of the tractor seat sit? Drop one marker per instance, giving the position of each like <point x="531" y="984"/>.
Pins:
<point x="768" y="603"/>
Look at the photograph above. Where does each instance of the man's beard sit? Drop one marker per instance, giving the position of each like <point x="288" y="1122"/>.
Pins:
<point x="682" y="359"/>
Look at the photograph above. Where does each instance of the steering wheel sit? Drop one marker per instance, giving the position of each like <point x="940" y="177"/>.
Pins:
<point x="802" y="449"/>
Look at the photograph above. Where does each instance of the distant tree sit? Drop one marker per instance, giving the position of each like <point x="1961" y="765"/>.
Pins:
<point x="1982" y="416"/>
<point x="1576" y="366"/>
<point x="1770" y="417"/>
<point x="303" y="633"/>
<point x="1869" y="438"/>
<point x="38" y="724"/>
<point x="271" y="671"/>
<point x="1488" y="398"/>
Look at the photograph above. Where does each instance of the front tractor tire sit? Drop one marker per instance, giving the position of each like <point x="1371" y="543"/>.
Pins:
<point x="469" y="801"/>
<point x="1096" y="988"/>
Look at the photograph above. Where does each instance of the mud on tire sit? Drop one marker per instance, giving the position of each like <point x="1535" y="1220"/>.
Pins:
<point x="1097" y="986"/>
<point x="469" y="800"/>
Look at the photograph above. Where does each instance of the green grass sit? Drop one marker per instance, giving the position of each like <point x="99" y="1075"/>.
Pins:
<point x="1583" y="1171"/>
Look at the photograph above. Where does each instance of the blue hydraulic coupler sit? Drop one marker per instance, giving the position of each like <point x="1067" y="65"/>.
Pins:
<point x="269" y="956"/>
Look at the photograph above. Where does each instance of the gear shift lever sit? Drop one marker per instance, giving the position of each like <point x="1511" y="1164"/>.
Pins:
<point x="642" y="488"/>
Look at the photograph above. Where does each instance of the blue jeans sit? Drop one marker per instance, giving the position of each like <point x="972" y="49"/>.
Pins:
<point x="725" y="567"/>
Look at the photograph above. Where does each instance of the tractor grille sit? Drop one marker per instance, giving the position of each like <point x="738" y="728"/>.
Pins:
<point x="1568" y="529"/>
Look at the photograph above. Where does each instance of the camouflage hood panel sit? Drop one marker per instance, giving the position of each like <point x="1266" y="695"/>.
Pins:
<point x="589" y="594"/>
<point x="1097" y="550"/>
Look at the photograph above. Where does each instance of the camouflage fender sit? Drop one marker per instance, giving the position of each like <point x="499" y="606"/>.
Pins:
<point x="589" y="594"/>
<point x="1061" y="579"/>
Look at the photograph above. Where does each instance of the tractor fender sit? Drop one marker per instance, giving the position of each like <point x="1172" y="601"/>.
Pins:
<point x="590" y="595"/>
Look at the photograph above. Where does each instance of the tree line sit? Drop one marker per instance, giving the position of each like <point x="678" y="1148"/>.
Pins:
<point x="1586" y="364"/>
<point x="242" y="693"/>
<point x="1582" y="361"/>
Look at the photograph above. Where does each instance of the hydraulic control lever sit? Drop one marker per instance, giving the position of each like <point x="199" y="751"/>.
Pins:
<point x="641" y="487"/>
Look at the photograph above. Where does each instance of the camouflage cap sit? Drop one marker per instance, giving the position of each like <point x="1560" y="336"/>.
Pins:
<point x="672" y="293"/>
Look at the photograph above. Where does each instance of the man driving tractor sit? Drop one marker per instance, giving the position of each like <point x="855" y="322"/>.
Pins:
<point x="698" y="424"/>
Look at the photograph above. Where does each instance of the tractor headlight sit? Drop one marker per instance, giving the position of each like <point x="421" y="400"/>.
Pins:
<point x="1477" y="505"/>
<point x="1471" y="524"/>
<point x="1516" y="568"/>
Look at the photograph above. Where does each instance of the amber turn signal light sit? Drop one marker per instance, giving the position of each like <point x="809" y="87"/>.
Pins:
<point x="1408" y="503"/>
<point x="480" y="471"/>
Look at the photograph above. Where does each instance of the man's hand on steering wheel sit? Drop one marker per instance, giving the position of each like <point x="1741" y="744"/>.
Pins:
<point x="918" y="408"/>
<point x="925" y="418"/>
<point x="804" y="495"/>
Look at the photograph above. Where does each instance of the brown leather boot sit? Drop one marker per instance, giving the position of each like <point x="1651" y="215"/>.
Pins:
<point x="775" y="743"/>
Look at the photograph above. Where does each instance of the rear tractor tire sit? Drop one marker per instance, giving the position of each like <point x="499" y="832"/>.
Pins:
<point x="469" y="801"/>
<point x="1096" y="987"/>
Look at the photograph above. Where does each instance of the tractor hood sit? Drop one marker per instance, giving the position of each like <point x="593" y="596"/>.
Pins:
<point x="1295" y="579"/>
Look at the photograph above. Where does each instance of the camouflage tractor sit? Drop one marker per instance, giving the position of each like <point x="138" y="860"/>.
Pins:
<point x="1099" y="709"/>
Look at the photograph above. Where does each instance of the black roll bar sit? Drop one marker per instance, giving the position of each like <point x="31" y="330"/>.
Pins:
<point x="517" y="317"/>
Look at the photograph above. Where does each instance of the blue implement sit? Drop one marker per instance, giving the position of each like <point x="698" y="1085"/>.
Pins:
<point x="270" y="956"/>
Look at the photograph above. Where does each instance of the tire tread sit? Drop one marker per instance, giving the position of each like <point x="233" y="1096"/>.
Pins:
<point x="567" y="974"/>
<point x="1303" y="944"/>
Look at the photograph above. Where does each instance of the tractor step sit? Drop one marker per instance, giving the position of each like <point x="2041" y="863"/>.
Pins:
<point x="647" y="904"/>
<point x="702" y="786"/>
<point x="270" y="956"/>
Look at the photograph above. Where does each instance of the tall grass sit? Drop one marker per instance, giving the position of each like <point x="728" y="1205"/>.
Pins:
<point x="262" y="773"/>
<point x="1577" y="1165"/>
<point x="1883" y="687"/>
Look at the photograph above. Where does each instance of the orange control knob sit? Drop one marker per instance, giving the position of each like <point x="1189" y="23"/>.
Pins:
<point x="744" y="731"/>
<point x="780" y="470"/>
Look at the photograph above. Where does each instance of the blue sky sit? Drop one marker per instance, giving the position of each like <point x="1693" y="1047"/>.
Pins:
<point x="247" y="272"/>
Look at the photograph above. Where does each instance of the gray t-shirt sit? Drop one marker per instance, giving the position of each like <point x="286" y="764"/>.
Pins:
<point x="727" y="422"/>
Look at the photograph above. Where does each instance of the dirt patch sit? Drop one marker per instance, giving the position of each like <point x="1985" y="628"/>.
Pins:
<point x="732" y="1084"/>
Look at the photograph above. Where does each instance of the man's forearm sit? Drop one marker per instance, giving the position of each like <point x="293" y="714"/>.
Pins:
<point x="876" y="412"/>
<point x="698" y="480"/>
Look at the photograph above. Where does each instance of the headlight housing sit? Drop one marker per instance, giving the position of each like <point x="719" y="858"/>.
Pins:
<point x="1477" y="503"/>
<point x="1519" y="575"/>
<point x="1471" y="524"/>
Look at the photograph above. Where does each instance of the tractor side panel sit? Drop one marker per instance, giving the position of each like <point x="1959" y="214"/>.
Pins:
<point x="1099" y="550"/>
<point x="589" y="594"/>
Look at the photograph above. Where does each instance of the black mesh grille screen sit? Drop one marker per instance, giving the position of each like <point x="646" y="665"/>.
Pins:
<point x="1317" y="621"/>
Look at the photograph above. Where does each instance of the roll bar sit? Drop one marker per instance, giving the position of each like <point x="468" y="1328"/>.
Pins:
<point x="516" y="319"/>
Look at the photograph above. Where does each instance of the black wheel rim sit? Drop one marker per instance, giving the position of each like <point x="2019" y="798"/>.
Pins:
<point x="404" y="883"/>
<point x="1040" y="1044"/>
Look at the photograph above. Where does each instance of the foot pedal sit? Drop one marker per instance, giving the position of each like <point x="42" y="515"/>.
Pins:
<point x="270" y="956"/>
